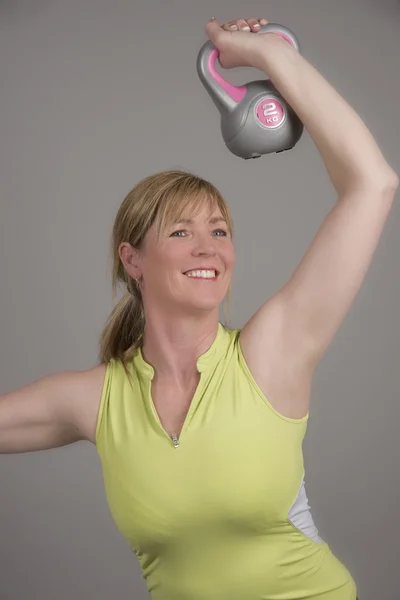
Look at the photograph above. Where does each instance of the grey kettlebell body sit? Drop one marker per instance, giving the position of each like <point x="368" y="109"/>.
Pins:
<point x="255" y="118"/>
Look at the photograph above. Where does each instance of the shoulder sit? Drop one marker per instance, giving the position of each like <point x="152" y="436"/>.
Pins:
<point x="88" y="388"/>
<point x="277" y="361"/>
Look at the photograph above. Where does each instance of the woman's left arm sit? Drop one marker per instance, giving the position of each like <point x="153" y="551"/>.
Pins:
<point x="309" y="309"/>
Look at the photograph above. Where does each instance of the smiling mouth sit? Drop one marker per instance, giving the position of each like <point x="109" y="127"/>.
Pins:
<point x="202" y="274"/>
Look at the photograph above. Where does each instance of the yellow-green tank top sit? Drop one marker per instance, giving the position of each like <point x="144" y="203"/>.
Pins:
<point x="221" y="513"/>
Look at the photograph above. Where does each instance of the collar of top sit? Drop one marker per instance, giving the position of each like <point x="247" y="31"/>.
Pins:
<point x="205" y="361"/>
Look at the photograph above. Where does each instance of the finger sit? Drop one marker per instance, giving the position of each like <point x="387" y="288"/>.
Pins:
<point x="263" y="21"/>
<point x="253" y="24"/>
<point x="230" y="26"/>
<point x="235" y="25"/>
<point x="242" y="25"/>
<point x="213" y="29"/>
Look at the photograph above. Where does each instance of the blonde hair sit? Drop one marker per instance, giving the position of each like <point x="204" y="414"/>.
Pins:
<point x="161" y="198"/>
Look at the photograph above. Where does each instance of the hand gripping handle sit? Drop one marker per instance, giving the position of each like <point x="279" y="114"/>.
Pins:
<point x="225" y="95"/>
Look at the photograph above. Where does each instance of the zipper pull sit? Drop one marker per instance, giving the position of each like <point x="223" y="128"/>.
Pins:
<point x="175" y="440"/>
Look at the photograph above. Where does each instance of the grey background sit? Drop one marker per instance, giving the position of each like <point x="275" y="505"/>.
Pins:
<point x="97" y="94"/>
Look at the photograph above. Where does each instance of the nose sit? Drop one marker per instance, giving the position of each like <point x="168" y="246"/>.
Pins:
<point x="204" y="245"/>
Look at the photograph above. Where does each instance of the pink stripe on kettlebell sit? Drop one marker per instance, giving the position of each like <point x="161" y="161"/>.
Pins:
<point x="235" y="92"/>
<point x="284" y="36"/>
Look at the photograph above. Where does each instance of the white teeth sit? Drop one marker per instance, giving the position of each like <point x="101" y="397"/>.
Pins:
<point x="204" y="274"/>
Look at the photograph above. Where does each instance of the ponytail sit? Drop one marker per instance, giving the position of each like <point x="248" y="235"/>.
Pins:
<point x="123" y="332"/>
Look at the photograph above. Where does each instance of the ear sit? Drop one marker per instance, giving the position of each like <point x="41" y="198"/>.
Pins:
<point x="130" y="259"/>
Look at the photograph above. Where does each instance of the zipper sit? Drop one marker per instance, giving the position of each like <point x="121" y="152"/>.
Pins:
<point x="173" y="436"/>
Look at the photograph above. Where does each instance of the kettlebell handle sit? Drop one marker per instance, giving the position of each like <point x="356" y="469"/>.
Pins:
<point x="225" y="95"/>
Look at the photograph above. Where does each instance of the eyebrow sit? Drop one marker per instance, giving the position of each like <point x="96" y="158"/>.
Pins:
<point x="213" y="220"/>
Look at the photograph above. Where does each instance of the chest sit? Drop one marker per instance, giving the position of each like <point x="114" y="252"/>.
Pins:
<point x="237" y="463"/>
<point x="172" y="404"/>
<point x="233" y="473"/>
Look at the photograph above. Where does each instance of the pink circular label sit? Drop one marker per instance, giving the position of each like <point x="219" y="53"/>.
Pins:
<point x="270" y="112"/>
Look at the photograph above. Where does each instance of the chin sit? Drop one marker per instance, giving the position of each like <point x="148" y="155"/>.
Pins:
<point x="203" y="304"/>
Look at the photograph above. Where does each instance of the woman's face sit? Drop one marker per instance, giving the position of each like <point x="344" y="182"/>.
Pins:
<point x="189" y="267"/>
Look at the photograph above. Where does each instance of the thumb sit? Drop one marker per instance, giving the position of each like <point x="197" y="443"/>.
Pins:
<point x="213" y="30"/>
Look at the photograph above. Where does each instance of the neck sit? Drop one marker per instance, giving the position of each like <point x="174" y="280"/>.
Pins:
<point x="173" y="345"/>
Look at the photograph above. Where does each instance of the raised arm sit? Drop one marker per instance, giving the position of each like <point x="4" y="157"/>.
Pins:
<point x="289" y="333"/>
<point x="53" y="411"/>
<point x="317" y="297"/>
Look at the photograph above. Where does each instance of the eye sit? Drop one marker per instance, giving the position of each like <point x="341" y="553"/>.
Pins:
<point x="175" y="233"/>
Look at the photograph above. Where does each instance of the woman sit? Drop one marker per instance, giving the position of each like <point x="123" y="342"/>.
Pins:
<point x="199" y="427"/>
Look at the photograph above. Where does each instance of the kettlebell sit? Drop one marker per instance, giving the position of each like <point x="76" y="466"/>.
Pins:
<point x="255" y="118"/>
